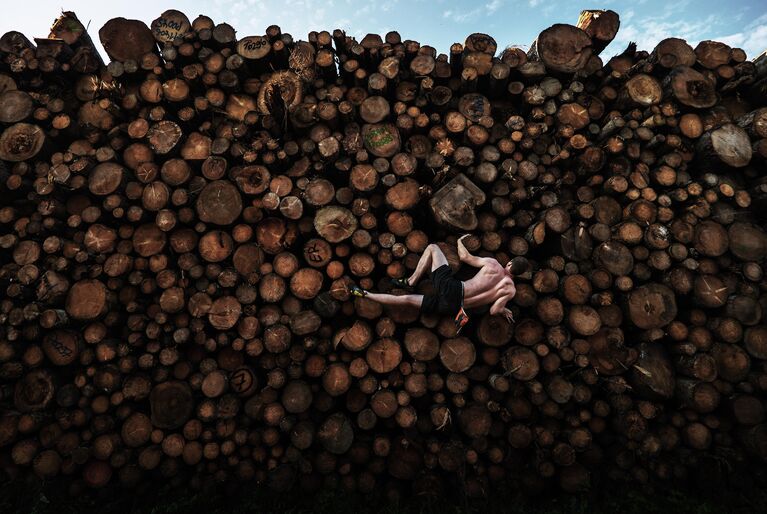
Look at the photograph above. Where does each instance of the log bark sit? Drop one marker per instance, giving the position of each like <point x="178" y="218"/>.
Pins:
<point x="68" y="28"/>
<point x="601" y="26"/>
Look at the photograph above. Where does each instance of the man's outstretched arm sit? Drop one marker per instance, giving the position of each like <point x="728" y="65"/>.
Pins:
<point x="499" y="307"/>
<point x="468" y="258"/>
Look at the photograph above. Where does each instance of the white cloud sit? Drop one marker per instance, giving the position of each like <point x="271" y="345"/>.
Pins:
<point x="649" y="31"/>
<point x="363" y="11"/>
<point x="342" y="23"/>
<point x="761" y="20"/>
<point x="674" y="7"/>
<point x="753" y="40"/>
<point x="461" y="17"/>
<point x="493" y="6"/>
<point x="534" y="3"/>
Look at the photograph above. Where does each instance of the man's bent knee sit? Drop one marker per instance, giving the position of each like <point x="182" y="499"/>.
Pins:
<point x="437" y="257"/>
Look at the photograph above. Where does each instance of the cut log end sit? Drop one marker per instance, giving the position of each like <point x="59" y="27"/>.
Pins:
<point x="562" y="48"/>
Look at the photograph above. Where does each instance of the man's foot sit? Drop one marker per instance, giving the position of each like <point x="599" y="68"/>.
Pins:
<point x="461" y="319"/>
<point x="357" y="291"/>
<point x="401" y="282"/>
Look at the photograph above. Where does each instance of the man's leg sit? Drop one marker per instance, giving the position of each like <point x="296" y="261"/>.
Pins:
<point x="431" y="259"/>
<point x="409" y="300"/>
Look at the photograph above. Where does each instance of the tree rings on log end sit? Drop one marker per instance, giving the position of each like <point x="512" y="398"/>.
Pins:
<point x="219" y="203"/>
<point x="335" y="223"/>
<point x="381" y="139"/>
<point x="20" y="142"/>
<point x="652" y="306"/>
<point x="562" y="48"/>
<point x="170" y="26"/>
<point x="126" y="40"/>
<point x="171" y="404"/>
<point x="87" y="299"/>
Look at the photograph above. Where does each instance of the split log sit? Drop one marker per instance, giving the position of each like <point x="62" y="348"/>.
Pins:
<point x="652" y="373"/>
<point x="601" y="26"/>
<point x="728" y="144"/>
<point x="454" y="203"/>
<point x="68" y="28"/>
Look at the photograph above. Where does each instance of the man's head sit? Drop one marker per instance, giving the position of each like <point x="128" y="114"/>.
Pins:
<point x="517" y="266"/>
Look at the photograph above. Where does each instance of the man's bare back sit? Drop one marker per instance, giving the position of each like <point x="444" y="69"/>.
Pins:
<point x="490" y="284"/>
<point x="493" y="284"/>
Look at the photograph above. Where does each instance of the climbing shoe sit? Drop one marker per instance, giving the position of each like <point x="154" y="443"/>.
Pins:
<point x="401" y="283"/>
<point x="461" y="319"/>
<point x="357" y="291"/>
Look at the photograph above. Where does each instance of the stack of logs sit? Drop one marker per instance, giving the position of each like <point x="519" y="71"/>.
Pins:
<point x="179" y="228"/>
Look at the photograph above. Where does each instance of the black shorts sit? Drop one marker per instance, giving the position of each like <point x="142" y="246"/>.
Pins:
<point x="448" y="293"/>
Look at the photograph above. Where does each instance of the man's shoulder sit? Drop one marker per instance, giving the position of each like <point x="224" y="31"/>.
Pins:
<point x="491" y="264"/>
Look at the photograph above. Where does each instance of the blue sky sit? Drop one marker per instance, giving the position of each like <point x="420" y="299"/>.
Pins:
<point x="435" y="22"/>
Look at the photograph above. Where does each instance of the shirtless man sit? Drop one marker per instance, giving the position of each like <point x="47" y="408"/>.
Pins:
<point x="493" y="284"/>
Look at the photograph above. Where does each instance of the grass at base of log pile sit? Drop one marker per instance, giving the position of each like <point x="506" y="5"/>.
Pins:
<point x="34" y="497"/>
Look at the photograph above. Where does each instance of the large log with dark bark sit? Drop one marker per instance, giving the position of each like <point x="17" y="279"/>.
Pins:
<point x="601" y="26"/>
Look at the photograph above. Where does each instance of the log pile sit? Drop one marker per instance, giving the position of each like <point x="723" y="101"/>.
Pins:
<point x="179" y="227"/>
